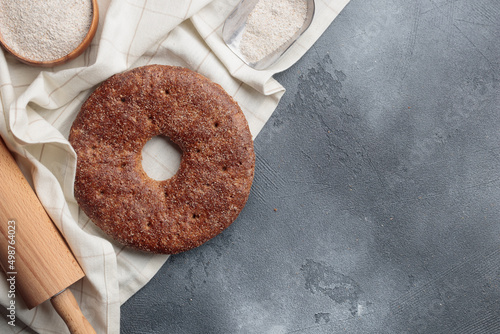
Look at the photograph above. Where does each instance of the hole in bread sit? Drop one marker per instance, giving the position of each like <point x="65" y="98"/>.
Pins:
<point x="216" y="124"/>
<point x="161" y="158"/>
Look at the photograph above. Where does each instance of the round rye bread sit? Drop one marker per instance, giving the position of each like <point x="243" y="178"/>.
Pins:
<point x="216" y="170"/>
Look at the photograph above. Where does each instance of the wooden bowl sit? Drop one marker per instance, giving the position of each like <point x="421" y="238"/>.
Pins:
<point x="73" y="54"/>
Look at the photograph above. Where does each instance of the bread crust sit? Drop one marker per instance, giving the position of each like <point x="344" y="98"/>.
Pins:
<point x="217" y="165"/>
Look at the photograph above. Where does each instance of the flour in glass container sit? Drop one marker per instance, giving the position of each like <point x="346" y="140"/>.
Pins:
<point x="44" y="30"/>
<point x="270" y="25"/>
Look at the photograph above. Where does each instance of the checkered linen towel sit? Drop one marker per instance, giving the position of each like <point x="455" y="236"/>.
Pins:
<point x="39" y="105"/>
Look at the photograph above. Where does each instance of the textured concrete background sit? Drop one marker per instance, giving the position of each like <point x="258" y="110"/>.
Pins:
<point x="376" y="201"/>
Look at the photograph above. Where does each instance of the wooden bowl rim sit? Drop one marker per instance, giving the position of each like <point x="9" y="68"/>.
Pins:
<point x="72" y="55"/>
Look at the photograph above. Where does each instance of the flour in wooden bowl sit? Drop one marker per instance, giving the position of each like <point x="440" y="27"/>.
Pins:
<point x="44" y="30"/>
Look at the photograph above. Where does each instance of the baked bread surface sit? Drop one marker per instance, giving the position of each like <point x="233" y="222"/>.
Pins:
<point x="216" y="171"/>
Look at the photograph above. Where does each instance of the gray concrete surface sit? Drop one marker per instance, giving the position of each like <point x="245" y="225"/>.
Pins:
<point x="376" y="201"/>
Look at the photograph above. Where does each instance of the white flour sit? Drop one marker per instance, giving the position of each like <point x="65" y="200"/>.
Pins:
<point x="270" y="25"/>
<point x="44" y="30"/>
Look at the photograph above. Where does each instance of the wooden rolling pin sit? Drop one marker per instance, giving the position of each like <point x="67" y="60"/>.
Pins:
<point x="38" y="262"/>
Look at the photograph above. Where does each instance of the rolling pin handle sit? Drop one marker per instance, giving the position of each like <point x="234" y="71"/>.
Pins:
<point x="67" y="307"/>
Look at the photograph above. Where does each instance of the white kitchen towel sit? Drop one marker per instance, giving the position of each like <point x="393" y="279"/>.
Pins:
<point x="38" y="106"/>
